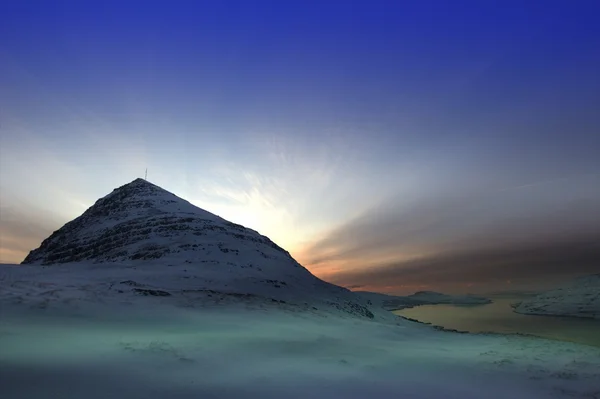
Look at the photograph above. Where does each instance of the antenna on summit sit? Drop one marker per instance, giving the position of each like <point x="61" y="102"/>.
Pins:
<point x="146" y="175"/>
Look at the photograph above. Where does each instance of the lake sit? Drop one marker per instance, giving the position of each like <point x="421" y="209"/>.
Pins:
<point x="499" y="317"/>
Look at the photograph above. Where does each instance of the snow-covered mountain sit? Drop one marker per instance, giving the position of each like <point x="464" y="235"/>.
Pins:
<point x="142" y="240"/>
<point x="581" y="298"/>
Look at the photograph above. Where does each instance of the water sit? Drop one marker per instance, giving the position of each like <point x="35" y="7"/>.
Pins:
<point x="499" y="317"/>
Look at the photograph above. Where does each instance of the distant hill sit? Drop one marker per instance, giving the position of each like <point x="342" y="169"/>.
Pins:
<point x="580" y="298"/>
<point x="394" y="302"/>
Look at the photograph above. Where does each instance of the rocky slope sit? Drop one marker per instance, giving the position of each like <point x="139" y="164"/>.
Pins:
<point x="145" y="241"/>
<point x="581" y="298"/>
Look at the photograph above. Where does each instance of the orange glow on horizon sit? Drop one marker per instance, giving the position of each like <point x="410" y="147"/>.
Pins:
<point x="11" y="256"/>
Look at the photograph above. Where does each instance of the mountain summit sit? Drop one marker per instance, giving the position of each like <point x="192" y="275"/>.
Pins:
<point x="142" y="239"/>
<point x="141" y="221"/>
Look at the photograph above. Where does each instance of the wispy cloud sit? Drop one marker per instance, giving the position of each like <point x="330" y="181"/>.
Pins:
<point x="292" y="188"/>
<point x="23" y="226"/>
<point x="535" y="230"/>
<point x="485" y="269"/>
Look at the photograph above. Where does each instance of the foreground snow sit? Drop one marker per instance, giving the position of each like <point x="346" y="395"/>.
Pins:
<point x="80" y="339"/>
<point x="581" y="298"/>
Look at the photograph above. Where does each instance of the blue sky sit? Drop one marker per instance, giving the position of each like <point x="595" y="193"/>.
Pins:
<point x="321" y="124"/>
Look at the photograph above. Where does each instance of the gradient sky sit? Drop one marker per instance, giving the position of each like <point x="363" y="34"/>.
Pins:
<point x="388" y="145"/>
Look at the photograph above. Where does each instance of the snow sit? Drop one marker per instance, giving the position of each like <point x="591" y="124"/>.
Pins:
<point x="86" y="284"/>
<point x="134" y="346"/>
<point x="580" y="298"/>
<point x="394" y="302"/>
<point x="144" y="296"/>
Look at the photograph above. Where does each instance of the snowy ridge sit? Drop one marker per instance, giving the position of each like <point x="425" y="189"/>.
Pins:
<point x="581" y="298"/>
<point x="162" y="243"/>
<point x="81" y="286"/>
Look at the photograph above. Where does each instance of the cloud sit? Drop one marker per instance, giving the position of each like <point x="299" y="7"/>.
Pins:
<point x="485" y="266"/>
<point x="537" y="230"/>
<point x="289" y="187"/>
<point x="22" y="228"/>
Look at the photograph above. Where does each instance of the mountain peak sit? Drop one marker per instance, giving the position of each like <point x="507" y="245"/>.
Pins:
<point x="138" y="187"/>
<point x="117" y="224"/>
<point x="139" y="182"/>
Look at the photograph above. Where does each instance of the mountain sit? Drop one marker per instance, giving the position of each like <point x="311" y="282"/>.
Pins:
<point x="394" y="302"/>
<point x="580" y="298"/>
<point x="142" y="240"/>
<point x="141" y="221"/>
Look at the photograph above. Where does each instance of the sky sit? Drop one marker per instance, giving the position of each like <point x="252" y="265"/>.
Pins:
<point x="390" y="146"/>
